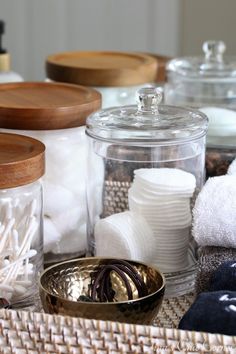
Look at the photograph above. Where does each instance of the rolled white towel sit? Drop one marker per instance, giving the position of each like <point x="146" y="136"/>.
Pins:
<point x="214" y="213"/>
<point x="125" y="235"/>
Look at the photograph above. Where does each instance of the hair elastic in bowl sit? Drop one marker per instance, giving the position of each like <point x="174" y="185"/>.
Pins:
<point x="101" y="286"/>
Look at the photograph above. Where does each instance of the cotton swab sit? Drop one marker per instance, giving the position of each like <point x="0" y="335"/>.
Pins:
<point x="18" y="229"/>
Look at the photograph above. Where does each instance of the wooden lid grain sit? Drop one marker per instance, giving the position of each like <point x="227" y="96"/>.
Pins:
<point x="46" y="106"/>
<point x="161" y="60"/>
<point x="101" y="68"/>
<point x="22" y="160"/>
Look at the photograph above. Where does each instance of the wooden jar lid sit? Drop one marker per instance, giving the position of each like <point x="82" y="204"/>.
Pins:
<point x="161" y="67"/>
<point x="22" y="160"/>
<point x="46" y="106"/>
<point x="161" y="60"/>
<point x="101" y="68"/>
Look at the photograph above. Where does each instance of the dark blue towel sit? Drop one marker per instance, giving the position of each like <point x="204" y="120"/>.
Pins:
<point x="224" y="278"/>
<point x="213" y="312"/>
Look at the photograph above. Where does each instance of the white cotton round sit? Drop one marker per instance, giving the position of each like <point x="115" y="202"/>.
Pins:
<point x="124" y="235"/>
<point x="166" y="177"/>
<point x="214" y="213"/>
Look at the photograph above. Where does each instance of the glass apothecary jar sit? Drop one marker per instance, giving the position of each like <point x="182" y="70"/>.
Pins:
<point x="21" y="227"/>
<point x="116" y="75"/>
<point x="55" y="114"/>
<point x="150" y="160"/>
<point x="208" y="83"/>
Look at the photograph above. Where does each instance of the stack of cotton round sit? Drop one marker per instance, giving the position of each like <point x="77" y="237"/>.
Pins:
<point x="162" y="196"/>
<point x="125" y="235"/>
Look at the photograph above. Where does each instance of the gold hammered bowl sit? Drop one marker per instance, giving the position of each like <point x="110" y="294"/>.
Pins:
<point x="61" y="285"/>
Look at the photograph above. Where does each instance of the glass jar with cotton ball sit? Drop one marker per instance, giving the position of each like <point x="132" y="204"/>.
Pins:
<point x="55" y="114"/>
<point x="21" y="228"/>
<point x="152" y="157"/>
<point x="208" y="83"/>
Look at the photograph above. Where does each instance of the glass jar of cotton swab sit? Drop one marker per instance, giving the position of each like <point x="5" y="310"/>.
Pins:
<point x="21" y="228"/>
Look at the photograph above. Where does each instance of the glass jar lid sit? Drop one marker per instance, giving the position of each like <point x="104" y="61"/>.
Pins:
<point x="149" y="121"/>
<point x="212" y="66"/>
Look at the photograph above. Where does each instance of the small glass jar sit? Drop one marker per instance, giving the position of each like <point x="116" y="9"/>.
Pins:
<point x="150" y="160"/>
<point x="55" y="114"/>
<point x="116" y="75"/>
<point x="21" y="227"/>
<point x="208" y="83"/>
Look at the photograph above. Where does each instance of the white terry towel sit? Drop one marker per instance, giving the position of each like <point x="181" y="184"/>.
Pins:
<point x="214" y="213"/>
<point x="125" y="235"/>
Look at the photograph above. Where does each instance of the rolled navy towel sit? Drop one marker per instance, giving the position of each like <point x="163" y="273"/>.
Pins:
<point x="210" y="258"/>
<point x="213" y="312"/>
<point x="224" y="278"/>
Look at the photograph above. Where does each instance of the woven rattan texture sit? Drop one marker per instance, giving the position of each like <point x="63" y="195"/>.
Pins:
<point x="172" y="311"/>
<point x="29" y="333"/>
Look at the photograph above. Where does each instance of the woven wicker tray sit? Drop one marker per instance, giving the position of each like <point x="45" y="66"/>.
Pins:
<point x="28" y="332"/>
<point x="24" y="332"/>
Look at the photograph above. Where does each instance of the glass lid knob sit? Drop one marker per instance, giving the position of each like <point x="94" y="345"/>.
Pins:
<point x="214" y="50"/>
<point x="148" y="99"/>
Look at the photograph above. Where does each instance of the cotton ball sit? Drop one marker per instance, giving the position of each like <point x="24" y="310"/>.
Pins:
<point x="73" y="241"/>
<point x="57" y="199"/>
<point x="70" y="219"/>
<point x="51" y="235"/>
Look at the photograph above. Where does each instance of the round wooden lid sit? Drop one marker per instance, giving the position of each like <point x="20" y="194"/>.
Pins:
<point x="46" y="106"/>
<point x="161" y="64"/>
<point x="101" y="68"/>
<point x="22" y="160"/>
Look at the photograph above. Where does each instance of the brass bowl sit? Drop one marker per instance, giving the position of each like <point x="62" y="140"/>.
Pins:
<point x="62" y="284"/>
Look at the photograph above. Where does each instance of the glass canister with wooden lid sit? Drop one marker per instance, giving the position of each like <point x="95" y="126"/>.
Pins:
<point x="55" y="114"/>
<point x="152" y="156"/>
<point x="116" y="75"/>
<point x="21" y="227"/>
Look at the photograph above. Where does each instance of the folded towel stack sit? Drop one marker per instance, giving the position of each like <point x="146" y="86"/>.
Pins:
<point x="210" y="258"/>
<point x="224" y="278"/>
<point x="215" y="311"/>
<point x="214" y="226"/>
<point x="214" y="213"/>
